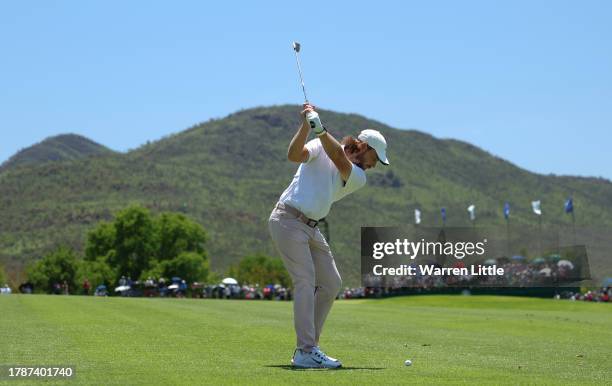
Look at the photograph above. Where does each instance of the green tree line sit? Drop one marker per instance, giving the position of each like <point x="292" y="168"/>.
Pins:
<point x="139" y="245"/>
<point x="3" y="276"/>
<point x="135" y="244"/>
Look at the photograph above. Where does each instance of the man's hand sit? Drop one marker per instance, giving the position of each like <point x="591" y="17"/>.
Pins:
<point x="307" y="107"/>
<point x="311" y="118"/>
<point x="297" y="151"/>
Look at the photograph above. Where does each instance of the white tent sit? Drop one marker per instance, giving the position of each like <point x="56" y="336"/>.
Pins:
<point x="229" y="281"/>
<point x="122" y="288"/>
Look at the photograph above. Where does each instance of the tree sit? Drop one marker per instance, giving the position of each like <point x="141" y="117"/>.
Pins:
<point x="190" y="266"/>
<point x="262" y="270"/>
<point x="232" y="271"/>
<point x="3" y="277"/>
<point x="58" y="266"/>
<point x="100" y="240"/>
<point x="127" y="245"/>
<point x="137" y="243"/>
<point x="96" y="271"/>
<point x="178" y="234"/>
<point x="215" y="277"/>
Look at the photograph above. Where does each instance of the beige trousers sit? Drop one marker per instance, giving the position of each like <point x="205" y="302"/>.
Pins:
<point x="316" y="280"/>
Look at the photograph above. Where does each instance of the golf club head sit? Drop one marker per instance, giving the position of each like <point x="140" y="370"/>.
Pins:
<point x="296" y="46"/>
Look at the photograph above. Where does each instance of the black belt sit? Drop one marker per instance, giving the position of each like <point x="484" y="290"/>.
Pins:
<point x="301" y="216"/>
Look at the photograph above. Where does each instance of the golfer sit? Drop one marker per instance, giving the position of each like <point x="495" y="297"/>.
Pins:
<point x="328" y="171"/>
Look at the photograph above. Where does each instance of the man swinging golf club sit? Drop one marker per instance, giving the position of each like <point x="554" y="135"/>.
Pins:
<point x="328" y="171"/>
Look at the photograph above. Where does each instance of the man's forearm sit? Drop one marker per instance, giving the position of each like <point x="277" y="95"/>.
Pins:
<point x="298" y="141"/>
<point x="335" y="152"/>
<point x="332" y="148"/>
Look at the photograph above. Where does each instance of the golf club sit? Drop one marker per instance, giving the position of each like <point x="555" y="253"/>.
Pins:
<point x="296" y="48"/>
<point x="312" y="116"/>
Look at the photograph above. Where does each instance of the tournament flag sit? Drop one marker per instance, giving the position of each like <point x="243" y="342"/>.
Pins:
<point x="569" y="205"/>
<point x="472" y="211"/>
<point x="536" y="206"/>
<point x="507" y="210"/>
<point x="443" y="211"/>
<point x="417" y="216"/>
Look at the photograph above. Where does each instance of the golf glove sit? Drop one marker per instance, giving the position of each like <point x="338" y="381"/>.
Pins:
<point x="315" y="123"/>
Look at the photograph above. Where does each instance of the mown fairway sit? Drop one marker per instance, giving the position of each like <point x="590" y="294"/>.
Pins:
<point x="450" y="339"/>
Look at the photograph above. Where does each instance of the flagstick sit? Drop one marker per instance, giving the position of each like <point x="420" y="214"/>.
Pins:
<point x="444" y="219"/>
<point x="574" y="226"/>
<point x="508" y="235"/>
<point x="540" y="232"/>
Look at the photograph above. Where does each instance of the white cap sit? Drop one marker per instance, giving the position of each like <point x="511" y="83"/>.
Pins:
<point x="377" y="142"/>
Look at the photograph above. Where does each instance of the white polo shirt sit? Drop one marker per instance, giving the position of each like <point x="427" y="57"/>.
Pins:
<point x="317" y="183"/>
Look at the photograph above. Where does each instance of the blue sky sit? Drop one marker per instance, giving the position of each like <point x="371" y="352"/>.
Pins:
<point x="528" y="81"/>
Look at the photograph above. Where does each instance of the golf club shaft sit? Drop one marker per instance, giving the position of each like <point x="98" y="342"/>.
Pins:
<point x="297" y="59"/>
<point x="312" y="116"/>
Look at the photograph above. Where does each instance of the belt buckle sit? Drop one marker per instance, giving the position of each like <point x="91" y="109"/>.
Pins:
<point x="312" y="223"/>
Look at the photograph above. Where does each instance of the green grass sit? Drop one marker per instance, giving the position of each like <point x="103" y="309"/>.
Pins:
<point x="450" y="339"/>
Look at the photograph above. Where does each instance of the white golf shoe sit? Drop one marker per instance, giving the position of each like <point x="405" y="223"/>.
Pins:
<point x="316" y="359"/>
<point x="328" y="357"/>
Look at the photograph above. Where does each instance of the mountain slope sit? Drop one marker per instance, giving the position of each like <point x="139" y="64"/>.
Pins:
<point x="228" y="174"/>
<point x="57" y="148"/>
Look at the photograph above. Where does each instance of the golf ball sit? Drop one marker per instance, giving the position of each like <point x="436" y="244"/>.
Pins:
<point x="408" y="362"/>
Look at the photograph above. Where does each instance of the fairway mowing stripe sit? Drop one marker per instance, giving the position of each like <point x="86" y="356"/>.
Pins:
<point x="56" y="343"/>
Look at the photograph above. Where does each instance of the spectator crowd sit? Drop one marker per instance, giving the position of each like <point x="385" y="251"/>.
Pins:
<point x="175" y="287"/>
<point x="519" y="273"/>
<point x="601" y="295"/>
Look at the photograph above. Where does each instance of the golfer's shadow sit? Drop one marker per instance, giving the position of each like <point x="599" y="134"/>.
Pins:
<point x="289" y="367"/>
